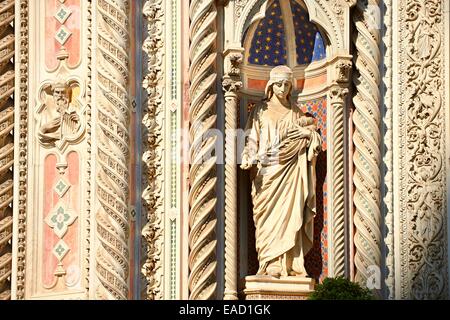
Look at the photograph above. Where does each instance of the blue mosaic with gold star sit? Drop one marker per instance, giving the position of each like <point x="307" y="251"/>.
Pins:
<point x="268" y="47"/>
<point x="268" y="43"/>
<point x="309" y="42"/>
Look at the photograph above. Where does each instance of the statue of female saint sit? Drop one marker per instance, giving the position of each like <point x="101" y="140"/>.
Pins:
<point x="283" y="144"/>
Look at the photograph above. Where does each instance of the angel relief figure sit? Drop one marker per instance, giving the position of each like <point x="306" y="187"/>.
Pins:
<point x="283" y="145"/>
<point x="60" y="118"/>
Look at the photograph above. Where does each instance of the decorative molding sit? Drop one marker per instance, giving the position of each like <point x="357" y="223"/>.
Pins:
<point x="367" y="141"/>
<point x="202" y="172"/>
<point x="173" y="146"/>
<point x="388" y="159"/>
<point x="239" y="6"/>
<point x="423" y="185"/>
<point x="153" y="156"/>
<point x="23" y="148"/>
<point x="88" y="172"/>
<point x="113" y="105"/>
<point x="7" y="79"/>
<point x="337" y="94"/>
<point x="231" y="84"/>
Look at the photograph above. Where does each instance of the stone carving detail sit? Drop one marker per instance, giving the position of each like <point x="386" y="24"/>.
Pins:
<point x="231" y="84"/>
<point x="238" y="7"/>
<point x="202" y="173"/>
<point x="388" y="156"/>
<point x="423" y="207"/>
<point x="367" y="142"/>
<point x="112" y="258"/>
<point x="153" y="159"/>
<point x="7" y="78"/>
<point x="88" y="172"/>
<point x="338" y="94"/>
<point x="23" y="138"/>
<point x="343" y="71"/>
<point x="336" y="5"/>
<point x="59" y="116"/>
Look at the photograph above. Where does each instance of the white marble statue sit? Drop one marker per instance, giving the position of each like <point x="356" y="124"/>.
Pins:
<point x="283" y="145"/>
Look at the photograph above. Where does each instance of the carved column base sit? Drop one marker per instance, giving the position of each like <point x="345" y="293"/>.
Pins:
<point x="285" y="288"/>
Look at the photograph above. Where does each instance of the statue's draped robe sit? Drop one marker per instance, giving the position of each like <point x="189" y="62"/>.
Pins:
<point x="283" y="190"/>
<point x="54" y="126"/>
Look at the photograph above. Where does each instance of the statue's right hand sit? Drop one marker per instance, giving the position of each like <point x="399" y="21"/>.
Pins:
<point x="51" y="125"/>
<point x="246" y="163"/>
<point x="298" y="132"/>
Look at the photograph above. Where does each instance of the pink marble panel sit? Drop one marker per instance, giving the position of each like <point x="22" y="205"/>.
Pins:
<point x="71" y="198"/>
<point x="72" y="259"/>
<point x="50" y="239"/>
<point x="73" y="23"/>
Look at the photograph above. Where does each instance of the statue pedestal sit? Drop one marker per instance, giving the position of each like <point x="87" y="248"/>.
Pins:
<point x="284" y="288"/>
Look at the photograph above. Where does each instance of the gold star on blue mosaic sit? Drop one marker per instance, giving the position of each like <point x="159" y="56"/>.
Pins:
<point x="268" y="43"/>
<point x="268" y="46"/>
<point x="309" y="42"/>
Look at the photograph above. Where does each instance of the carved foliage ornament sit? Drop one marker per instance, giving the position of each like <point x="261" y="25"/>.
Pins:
<point x="154" y="85"/>
<point x="424" y="264"/>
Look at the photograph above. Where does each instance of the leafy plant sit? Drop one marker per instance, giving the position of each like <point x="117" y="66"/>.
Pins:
<point x="340" y="288"/>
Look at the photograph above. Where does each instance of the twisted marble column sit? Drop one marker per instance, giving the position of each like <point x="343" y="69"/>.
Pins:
<point x="337" y="98"/>
<point x="7" y="78"/>
<point x="113" y="105"/>
<point x="202" y="173"/>
<point x="231" y="85"/>
<point x="367" y="141"/>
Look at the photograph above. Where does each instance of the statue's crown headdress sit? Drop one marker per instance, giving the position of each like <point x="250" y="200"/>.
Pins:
<point x="277" y="74"/>
<point x="280" y="73"/>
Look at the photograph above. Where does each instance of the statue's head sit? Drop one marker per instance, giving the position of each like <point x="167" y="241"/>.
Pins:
<point x="280" y="83"/>
<point x="61" y="94"/>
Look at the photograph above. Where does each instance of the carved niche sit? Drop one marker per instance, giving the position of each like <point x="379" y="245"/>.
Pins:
<point x="332" y="19"/>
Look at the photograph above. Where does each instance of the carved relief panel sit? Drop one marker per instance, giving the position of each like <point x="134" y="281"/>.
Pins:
<point x="58" y="150"/>
<point x="423" y="184"/>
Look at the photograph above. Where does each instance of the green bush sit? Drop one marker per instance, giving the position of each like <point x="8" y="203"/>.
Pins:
<point x="340" y="288"/>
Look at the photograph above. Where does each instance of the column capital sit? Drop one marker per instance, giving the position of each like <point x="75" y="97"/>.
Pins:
<point x="233" y="59"/>
<point x="338" y="92"/>
<point x="231" y="82"/>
